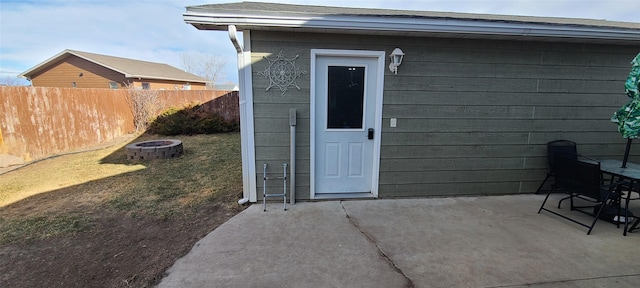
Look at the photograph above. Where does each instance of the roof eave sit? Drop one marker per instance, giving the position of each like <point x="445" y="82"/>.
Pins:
<point x="378" y="25"/>
<point x="60" y="56"/>
<point x="42" y="65"/>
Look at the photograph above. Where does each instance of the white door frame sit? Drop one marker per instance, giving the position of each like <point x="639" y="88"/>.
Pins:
<point x="380" y="57"/>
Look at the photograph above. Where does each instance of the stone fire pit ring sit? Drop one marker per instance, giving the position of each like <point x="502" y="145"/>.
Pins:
<point x="154" y="149"/>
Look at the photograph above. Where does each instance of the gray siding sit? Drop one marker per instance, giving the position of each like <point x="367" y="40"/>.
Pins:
<point x="474" y="116"/>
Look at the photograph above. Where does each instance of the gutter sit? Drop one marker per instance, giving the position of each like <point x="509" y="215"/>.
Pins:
<point x="394" y="25"/>
<point x="234" y="40"/>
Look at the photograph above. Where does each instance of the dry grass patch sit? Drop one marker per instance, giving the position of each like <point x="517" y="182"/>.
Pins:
<point x="60" y="172"/>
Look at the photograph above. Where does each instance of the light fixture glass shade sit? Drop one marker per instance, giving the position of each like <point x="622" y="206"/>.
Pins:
<point x="396" y="57"/>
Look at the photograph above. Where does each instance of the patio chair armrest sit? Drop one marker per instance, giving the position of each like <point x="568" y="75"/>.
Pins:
<point x="589" y="158"/>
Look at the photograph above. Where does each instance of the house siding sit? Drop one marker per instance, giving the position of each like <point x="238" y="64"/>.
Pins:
<point x="63" y="73"/>
<point x="167" y="85"/>
<point x="473" y="116"/>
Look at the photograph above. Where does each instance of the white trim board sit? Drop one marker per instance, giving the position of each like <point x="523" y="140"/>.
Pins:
<point x="247" y="129"/>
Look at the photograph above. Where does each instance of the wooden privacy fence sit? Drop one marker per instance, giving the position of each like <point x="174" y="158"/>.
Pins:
<point x="36" y="122"/>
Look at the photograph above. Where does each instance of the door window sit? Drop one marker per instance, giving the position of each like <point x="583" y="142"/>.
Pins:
<point x="345" y="97"/>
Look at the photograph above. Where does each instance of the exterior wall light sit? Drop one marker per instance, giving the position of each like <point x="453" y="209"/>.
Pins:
<point x="396" y="59"/>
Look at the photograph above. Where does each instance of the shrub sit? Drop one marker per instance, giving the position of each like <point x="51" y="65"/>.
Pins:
<point x="144" y="104"/>
<point x="189" y="121"/>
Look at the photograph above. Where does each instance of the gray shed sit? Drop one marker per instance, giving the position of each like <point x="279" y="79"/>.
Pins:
<point x="468" y="111"/>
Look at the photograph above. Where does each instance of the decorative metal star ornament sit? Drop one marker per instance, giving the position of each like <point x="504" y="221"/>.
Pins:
<point x="282" y="72"/>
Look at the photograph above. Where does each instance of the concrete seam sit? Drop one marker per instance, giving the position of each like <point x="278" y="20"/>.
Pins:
<point x="563" y="281"/>
<point x="381" y="252"/>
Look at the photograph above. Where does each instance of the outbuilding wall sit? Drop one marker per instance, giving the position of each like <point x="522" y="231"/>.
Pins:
<point x="473" y="116"/>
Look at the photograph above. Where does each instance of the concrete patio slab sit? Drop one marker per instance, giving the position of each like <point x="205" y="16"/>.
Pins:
<point x="493" y="241"/>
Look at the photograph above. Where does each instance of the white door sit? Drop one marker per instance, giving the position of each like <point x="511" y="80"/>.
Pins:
<point x="345" y="124"/>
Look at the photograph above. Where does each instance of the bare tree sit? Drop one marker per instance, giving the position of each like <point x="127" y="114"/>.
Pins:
<point x="204" y="65"/>
<point x="144" y="104"/>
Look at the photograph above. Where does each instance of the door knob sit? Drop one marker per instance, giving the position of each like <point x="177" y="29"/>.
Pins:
<point x="370" y="134"/>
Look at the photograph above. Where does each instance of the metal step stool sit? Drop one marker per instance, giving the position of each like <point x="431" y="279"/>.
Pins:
<point x="284" y="187"/>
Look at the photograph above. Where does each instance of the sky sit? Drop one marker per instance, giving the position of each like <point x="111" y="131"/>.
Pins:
<point x="32" y="31"/>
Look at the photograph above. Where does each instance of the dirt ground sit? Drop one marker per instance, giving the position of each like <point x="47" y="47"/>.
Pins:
<point x="117" y="252"/>
<point x="120" y="248"/>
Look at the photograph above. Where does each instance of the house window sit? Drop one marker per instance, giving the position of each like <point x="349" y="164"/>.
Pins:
<point x="146" y="86"/>
<point x="73" y="84"/>
<point x="186" y="86"/>
<point x="113" y="85"/>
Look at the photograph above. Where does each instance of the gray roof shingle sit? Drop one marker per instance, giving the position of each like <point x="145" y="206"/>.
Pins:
<point x="289" y="9"/>
<point x="306" y="18"/>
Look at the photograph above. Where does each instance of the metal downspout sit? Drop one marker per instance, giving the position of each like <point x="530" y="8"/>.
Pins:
<point x="292" y="156"/>
<point x="242" y="98"/>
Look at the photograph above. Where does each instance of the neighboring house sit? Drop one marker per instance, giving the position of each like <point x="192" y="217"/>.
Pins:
<point x="79" y="69"/>
<point x="469" y="112"/>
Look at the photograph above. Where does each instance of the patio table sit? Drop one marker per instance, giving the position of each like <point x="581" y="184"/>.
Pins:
<point x="632" y="173"/>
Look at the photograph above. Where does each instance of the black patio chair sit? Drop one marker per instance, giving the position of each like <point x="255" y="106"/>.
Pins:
<point x="582" y="180"/>
<point x="557" y="147"/>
